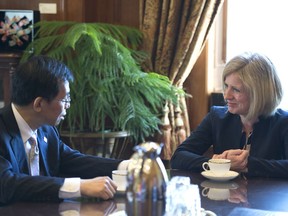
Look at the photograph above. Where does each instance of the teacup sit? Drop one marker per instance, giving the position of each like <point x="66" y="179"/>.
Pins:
<point x="120" y="177"/>
<point x="219" y="167"/>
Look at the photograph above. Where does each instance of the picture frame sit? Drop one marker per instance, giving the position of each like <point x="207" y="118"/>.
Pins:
<point x="17" y="29"/>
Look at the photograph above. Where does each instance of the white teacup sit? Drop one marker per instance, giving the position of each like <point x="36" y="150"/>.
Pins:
<point x="120" y="177"/>
<point x="219" y="167"/>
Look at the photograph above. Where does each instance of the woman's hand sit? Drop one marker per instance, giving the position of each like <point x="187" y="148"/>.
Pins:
<point x="239" y="195"/>
<point x="238" y="157"/>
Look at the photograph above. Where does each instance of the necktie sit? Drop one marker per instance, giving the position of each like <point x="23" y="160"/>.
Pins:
<point x="34" y="157"/>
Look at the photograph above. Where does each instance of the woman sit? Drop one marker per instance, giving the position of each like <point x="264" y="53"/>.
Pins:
<point x="250" y="130"/>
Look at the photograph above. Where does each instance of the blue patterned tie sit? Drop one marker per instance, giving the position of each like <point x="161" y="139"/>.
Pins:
<point x="34" y="157"/>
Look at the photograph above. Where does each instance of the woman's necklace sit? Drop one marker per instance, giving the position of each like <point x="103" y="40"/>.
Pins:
<point x="248" y="133"/>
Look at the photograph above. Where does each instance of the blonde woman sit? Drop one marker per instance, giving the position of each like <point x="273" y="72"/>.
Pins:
<point x="249" y="130"/>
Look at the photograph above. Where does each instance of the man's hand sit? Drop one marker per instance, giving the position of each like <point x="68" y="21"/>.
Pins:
<point x="101" y="187"/>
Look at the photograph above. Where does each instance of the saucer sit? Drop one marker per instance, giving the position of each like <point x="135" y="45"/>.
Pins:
<point x="207" y="213"/>
<point x="228" y="176"/>
<point x="219" y="184"/>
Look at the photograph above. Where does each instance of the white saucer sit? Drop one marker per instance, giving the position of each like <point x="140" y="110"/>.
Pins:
<point x="207" y="212"/>
<point x="228" y="176"/>
<point x="219" y="184"/>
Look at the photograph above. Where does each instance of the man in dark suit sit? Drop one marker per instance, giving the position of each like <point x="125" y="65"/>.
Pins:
<point x="40" y="98"/>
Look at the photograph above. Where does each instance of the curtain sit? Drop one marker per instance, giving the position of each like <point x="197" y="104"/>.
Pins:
<point x="175" y="32"/>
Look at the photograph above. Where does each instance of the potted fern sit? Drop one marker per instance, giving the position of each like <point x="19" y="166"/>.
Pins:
<point x="110" y="89"/>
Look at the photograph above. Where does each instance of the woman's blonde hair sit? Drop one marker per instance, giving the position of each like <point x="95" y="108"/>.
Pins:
<point x="259" y="77"/>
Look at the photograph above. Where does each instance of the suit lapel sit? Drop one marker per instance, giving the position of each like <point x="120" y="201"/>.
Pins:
<point x="43" y="145"/>
<point x="20" y="159"/>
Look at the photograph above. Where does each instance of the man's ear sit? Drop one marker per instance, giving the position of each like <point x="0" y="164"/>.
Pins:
<point x="38" y="103"/>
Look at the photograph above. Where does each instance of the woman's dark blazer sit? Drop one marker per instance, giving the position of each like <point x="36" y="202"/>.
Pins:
<point x="269" y="143"/>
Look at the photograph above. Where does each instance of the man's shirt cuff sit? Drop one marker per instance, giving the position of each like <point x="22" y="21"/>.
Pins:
<point x="70" y="188"/>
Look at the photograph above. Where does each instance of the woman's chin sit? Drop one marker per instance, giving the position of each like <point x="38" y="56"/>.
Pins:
<point x="232" y="110"/>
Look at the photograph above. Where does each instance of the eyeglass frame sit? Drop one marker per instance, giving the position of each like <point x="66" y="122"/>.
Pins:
<point x="66" y="100"/>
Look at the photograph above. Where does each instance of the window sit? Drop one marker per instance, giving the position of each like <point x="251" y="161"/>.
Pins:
<point x="257" y="25"/>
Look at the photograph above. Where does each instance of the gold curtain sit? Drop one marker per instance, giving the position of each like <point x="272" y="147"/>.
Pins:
<point x="175" y="32"/>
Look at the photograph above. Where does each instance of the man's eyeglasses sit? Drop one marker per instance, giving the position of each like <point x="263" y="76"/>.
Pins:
<point x="66" y="100"/>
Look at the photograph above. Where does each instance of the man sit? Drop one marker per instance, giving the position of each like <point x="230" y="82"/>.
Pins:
<point x="51" y="170"/>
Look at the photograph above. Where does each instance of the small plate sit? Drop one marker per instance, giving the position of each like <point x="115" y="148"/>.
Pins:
<point x="207" y="213"/>
<point x="228" y="176"/>
<point x="219" y="185"/>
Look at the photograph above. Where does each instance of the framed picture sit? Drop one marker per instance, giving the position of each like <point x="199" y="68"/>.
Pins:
<point x="17" y="29"/>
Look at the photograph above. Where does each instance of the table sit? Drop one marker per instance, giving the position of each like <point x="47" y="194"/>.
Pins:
<point x="246" y="198"/>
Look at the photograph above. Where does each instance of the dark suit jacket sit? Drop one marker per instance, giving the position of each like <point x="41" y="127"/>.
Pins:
<point x="223" y="130"/>
<point x="57" y="160"/>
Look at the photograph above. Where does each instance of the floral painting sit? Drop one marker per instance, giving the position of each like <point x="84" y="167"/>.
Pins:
<point x="16" y="29"/>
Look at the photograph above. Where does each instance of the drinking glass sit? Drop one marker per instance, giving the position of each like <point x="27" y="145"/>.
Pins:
<point x="182" y="198"/>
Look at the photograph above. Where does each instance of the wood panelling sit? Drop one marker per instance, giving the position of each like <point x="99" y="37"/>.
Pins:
<point x="122" y="12"/>
<point x="34" y="5"/>
<point x="74" y="10"/>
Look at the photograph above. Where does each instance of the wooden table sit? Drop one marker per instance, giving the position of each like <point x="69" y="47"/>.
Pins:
<point x="254" y="197"/>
